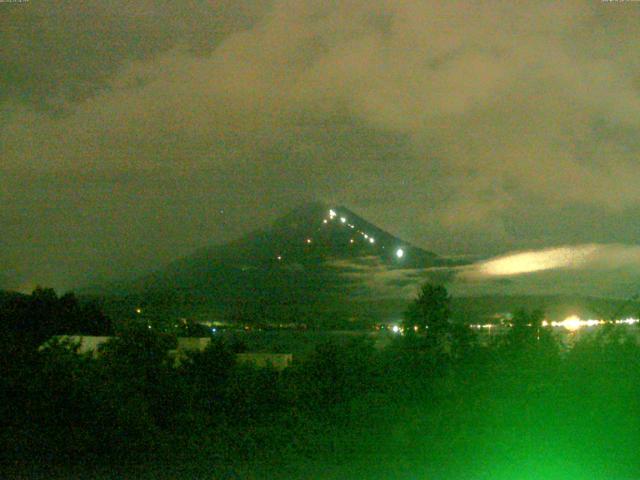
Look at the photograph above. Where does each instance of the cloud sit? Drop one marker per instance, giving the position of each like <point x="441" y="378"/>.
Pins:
<point x="68" y="51"/>
<point x="592" y="269"/>
<point x="577" y="257"/>
<point x="462" y="127"/>
<point x="536" y="261"/>
<point x="381" y="281"/>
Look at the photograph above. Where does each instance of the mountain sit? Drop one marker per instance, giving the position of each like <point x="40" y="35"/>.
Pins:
<point x="313" y="234"/>
<point x="308" y="264"/>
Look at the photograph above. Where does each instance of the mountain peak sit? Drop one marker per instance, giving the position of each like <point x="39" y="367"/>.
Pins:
<point x="307" y="260"/>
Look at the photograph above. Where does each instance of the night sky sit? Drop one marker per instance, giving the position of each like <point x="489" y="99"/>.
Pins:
<point x="134" y="133"/>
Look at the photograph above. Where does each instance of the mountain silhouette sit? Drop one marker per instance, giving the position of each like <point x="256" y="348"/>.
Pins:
<point x="301" y="265"/>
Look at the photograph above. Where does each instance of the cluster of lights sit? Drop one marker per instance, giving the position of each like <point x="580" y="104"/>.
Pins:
<point x="399" y="253"/>
<point x="627" y="321"/>
<point x="574" y="322"/>
<point x="397" y="329"/>
<point x="332" y="215"/>
<point x="571" y="323"/>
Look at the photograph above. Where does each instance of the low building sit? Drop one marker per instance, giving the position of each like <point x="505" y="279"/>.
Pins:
<point x="277" y="361"/>
<point x="91" y="344"/>
<point x="84" y="343"/>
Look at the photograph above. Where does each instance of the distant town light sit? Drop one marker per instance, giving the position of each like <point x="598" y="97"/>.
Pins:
<point x="325" y="221"/>
<point x="628" y="321"/>
<point x="366" y="236"/>
<point x="308" y="240"/>
<point x="573" y="323"/>
<point x="343" y="220"/>
<point x="279" y="257"/>
<point x="395" y="329"/>
<point x="332" y="213"/>
<point x="399" y="253"/>
<point x="138" y="310"/>
<point x="351" y="240"/>
<point x="371" y="240"/>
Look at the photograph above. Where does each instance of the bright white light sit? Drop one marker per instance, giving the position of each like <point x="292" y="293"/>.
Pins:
<point x="308" y="240"/>
<point x="332" y="213"/>
<point x="214" y="330"/>
<point x="366" y="236"/>
<point x="138" y="310"/>
<point x="488" y="326"/>
<point x="395" y="329"/>
<point x="371" y="240"/>
<point x="399" y="253"/>
<point x="573" y="323"/>
<point x="279" y="257"/>
<point x="351" y="241"/>
<point x="325" y="221"/>
<point x="343" y="220"/>
<point x="628" y="321"/>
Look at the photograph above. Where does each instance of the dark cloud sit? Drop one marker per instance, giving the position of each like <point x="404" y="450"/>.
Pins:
<point x="56" y="52"/>
<point x="463" y="127"/>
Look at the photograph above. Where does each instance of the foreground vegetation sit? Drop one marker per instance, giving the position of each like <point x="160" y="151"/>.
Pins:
<point x="436" y="406"/>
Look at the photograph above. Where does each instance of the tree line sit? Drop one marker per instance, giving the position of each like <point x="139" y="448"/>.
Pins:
<point x="435" y="403"/>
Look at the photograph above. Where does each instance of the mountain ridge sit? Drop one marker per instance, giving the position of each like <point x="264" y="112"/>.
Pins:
<point x="308" y="260"/>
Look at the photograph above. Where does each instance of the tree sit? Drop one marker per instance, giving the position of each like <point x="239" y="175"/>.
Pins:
<point x="429" y="316"/>
<point x="526" y="328"/>
<point x="528" y="341"/>
<point x="26" y="321"/>
<point x="430" y="310"/>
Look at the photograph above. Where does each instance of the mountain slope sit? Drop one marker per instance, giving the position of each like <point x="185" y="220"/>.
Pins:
<point x="303" y="262"/>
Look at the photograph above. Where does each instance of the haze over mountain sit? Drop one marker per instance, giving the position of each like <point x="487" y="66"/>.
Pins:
<point x="310" y="260"/>
<point x="318" y="263"/>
